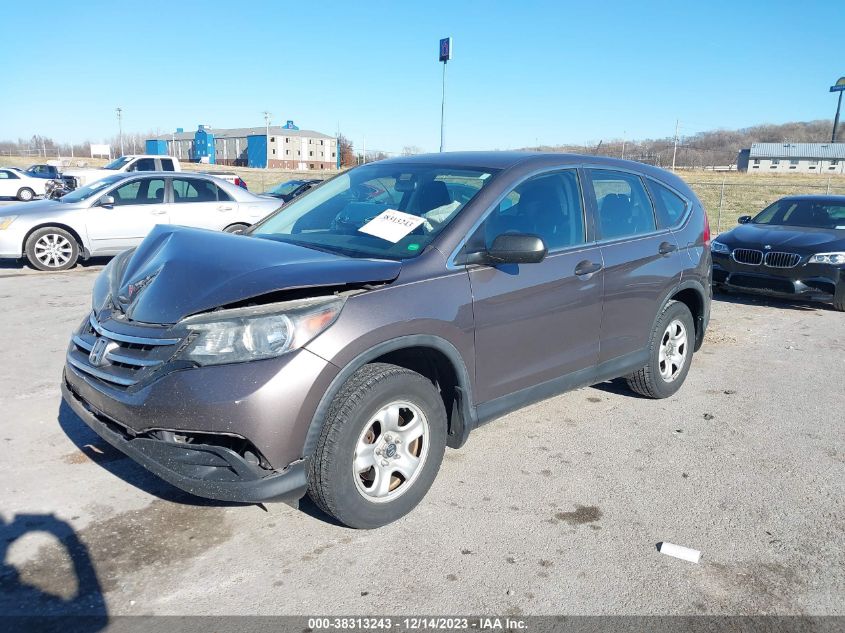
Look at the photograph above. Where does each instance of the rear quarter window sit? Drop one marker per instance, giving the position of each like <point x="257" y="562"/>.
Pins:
<point x="670" y="206"/>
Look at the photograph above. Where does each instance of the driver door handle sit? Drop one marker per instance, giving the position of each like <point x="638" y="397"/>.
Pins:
<point x="224" y="208"/>
<point x="587" y="267"/>
<point x="666" y="248"/>
<point x="159" y="211"/>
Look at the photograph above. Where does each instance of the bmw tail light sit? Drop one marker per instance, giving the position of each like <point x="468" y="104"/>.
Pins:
<point x="706" y="231"/>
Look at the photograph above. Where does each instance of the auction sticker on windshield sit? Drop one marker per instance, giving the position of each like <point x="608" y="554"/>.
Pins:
<point x="392" y="225"/>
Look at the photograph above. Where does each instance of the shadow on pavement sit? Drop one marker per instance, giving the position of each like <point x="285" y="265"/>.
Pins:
<point x="737" y="298"/>
<point x="25" y="606"/>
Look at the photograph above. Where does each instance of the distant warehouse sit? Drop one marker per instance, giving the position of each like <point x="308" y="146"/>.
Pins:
<point x="286" y="147"/>
<point x="808" y="158"/>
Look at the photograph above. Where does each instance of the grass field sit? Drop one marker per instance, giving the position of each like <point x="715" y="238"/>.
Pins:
<point x="739" y="193"/>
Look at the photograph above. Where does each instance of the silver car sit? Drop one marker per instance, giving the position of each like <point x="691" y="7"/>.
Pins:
<point x="116" y="213"/>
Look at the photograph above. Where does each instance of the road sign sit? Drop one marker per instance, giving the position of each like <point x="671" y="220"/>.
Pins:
<point x="445" y="49"/>
<point x="839" y="87"/>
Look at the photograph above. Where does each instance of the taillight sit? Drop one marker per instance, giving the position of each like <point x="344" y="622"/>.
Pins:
<point x="706" y="231"/>
<point x="237" y="181"/>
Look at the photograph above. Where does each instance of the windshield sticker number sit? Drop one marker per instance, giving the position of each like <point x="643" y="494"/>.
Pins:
<point x="392" y="225"/>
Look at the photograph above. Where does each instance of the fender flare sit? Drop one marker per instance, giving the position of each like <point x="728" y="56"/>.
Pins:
<point x="463" y="395"/>
<point x="704" y="318"/>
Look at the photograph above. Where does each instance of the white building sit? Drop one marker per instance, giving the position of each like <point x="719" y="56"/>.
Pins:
<point x="807" y="158"/>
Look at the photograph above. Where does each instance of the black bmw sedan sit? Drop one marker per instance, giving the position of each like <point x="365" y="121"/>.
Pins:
<point x="794" y="248"/>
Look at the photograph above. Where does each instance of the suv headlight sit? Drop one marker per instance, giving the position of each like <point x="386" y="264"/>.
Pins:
<point x="828" y="258"/>
<point x="717" y="247"/>
<point x="255" y="333"/>
<point x="5" y="221"/>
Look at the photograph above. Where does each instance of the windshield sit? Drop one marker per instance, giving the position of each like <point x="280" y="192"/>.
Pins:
<point x="808" y="212"/>
<point x="285" y="188"/>
<point x="83" y="193"/>
<point x="118" y="162"/>
<point x="378" y="210"/>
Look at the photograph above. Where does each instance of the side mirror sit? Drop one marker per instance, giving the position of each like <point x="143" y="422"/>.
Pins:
<point x="743" y="219"/>
<point x="515" y="248"/>
<point x="107" y="202"/>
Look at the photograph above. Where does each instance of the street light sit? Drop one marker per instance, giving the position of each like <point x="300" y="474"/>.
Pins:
<point x="120" y="127"/>
<point x="267" y="116"/>
<point x="840" y="88"/>
<point x="445" y="56"/>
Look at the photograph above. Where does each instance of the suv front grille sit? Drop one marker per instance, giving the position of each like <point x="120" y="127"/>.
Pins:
<point x="121" y="359"/>
<point x="747" y="256"/>
<point x="782" y="260"/>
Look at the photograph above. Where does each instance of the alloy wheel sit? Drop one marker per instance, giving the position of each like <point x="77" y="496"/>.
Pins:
<point x="53" y="250"/>
<point x="390" y="452"/>
<point x="673" y="351"/>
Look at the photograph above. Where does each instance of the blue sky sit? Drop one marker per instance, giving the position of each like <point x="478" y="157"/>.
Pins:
<point x="523" y="72"/>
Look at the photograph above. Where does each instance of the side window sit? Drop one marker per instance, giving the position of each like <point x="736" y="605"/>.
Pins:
<point x="194" y="190"/>
<point x="6" y="175"/>
<point x="624" y="208"/>
<point x="670" y="206"/>
<point x="144" y="164"/>
<point x="141" y="191"/>
<point x="548" y="206"/>
<point x="166" y="164"/>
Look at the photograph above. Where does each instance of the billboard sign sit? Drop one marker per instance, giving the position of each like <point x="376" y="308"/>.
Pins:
<point x="100" y="150"/>
<point x="445" y="49"/>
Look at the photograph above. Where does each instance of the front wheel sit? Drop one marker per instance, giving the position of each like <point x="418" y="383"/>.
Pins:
<point x="25" y="194"/>
<point x="52" y="248"/>
<point x="670" y="354"/>
<point x="839" y="297"/>
<point x="381" y="446"/>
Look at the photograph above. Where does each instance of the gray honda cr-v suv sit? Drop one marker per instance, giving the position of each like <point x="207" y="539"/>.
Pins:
<point x="347" y="339"/>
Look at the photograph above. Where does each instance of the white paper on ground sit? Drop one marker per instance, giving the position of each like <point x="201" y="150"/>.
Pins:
<point x="678" y="551"/>
<point x="392" y="225"/>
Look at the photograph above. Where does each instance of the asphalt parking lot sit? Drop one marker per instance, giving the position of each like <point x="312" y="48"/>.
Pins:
<point x="554" y="509"/>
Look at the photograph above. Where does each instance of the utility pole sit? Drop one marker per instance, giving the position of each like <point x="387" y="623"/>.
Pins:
<point x="624" y="135"/>
<point x="675" y="150"/>
<point x="120" y="127"/>
<point x="840" y="88"/>
<point x="267" y="116"/>
<point x="445" y="56"/>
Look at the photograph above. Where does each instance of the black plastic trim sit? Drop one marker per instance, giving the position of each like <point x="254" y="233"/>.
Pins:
<point x="464" y="397"/>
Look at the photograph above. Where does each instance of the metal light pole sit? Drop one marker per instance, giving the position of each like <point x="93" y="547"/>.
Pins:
<point x="120" y="128"/>
<point x="445" y="56"/>
<point x="840" y="88"/>
<point x="267" y="116"/>
<point x="675" y="149"/>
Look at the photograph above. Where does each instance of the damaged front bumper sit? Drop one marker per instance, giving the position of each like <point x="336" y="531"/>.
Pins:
<point x="205" y="470"/>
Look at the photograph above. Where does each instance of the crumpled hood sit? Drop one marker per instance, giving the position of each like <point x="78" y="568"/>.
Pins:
<point x="178" y="271"/>
<point x="784" y="238"/>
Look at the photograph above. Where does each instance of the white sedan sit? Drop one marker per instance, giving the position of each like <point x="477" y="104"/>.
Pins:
<point x="116" y="213"/>
<point x="18" y="184"/>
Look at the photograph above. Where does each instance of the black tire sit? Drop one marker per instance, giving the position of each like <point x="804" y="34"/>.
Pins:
<point x="25" y="194"/>
<point x="839" y="297"/>
<point x="331" y="482"/>
<point x="68" y="256"/>
<point x="236" y="228"/>
<point x="648" y="381"/>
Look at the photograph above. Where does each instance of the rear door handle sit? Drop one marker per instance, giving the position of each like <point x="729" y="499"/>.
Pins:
<point x="224" y="208"/>
<point x="159" y="212"/>
<point x="587" y="267"/>
<point x="666" y="248"/>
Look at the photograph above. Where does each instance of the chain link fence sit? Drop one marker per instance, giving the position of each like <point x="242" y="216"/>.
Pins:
<point x="726" y="201"/>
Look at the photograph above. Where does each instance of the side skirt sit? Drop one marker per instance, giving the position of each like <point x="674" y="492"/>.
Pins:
<point x="614" y="368"/>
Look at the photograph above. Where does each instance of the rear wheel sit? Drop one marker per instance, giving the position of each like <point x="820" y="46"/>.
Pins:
<point x="25" y="194"/>
<point x="236" y="228"/>
<point x="52" y="248"/>
<point x="670" y="354"/>
<point x="381" y="446"/>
